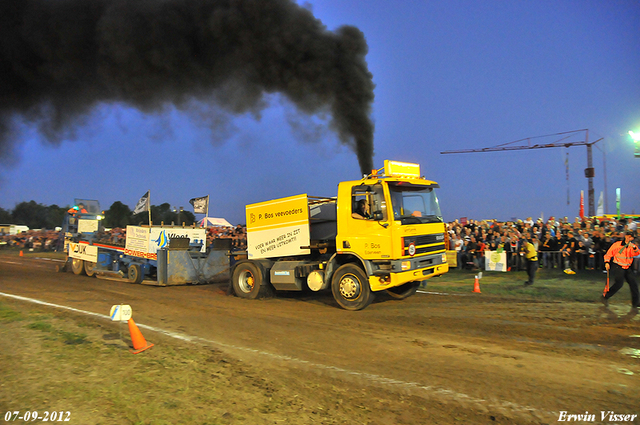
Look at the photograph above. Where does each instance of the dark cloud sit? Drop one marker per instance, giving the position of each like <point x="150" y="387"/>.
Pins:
<point x="59" y="59"/>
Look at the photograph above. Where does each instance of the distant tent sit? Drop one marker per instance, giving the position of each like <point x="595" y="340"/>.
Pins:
<point x="214" y="222"/>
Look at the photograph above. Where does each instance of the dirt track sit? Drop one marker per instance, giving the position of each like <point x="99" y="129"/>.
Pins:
<point x="469" y="358"/>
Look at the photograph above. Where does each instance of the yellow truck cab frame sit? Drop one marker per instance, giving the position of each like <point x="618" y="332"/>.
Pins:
<point x="397" y="245"/>
<point x="403" y="240"/>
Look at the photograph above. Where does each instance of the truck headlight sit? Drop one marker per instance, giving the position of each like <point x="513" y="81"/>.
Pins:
<point x="444" y="257"/>
<point x="406" y="265"/>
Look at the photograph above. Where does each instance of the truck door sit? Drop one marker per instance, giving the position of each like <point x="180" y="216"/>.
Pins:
<point x="369" y="235"/>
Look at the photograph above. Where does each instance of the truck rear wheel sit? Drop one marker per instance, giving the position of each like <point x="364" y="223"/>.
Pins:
<point x="247" y="281"/>
<point x="350" y="288"/>
<point x="77" y="266"/>
<point x="88" y="268"/>
<point x="134" y="273"/>
<point x="404" y="291"/>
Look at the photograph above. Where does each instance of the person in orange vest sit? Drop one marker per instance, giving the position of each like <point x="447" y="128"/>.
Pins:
<point x="618" y="260"/>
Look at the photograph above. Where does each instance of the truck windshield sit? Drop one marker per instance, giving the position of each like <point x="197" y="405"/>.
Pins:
<point x="414" y="204"/>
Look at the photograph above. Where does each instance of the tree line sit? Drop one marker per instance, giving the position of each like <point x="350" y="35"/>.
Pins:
<point x="40" y="216"/>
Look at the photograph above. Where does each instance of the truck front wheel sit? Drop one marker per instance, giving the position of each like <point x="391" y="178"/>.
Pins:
<point x="350" y="288"/>
<point x="77" y="266"/>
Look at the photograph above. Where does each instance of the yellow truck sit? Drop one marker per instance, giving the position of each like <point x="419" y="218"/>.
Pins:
<point x="382" y="233"/>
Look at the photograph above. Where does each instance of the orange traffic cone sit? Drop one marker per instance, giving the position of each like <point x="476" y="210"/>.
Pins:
<point x="139" y="343"/>
<point x="476" y="285"/>
<point x="21" y="254"/>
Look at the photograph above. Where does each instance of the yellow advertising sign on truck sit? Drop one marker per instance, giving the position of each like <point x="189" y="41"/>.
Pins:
<point x="278" y="228"/>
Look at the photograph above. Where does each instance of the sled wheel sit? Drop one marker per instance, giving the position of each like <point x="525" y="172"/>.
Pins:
<point x="89" y="268"/>
<point x="134" y="273"/>
<point x="77" y="266"/>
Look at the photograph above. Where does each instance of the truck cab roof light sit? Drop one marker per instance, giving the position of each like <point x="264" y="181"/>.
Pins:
<point x="404" y="169"/>
<point x="395" y="169"/>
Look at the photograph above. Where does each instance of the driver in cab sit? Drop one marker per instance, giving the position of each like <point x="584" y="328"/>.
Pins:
<point x="80" y="209"/>
<point x="362" y="211"/>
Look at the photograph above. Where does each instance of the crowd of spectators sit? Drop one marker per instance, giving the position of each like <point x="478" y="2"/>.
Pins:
<point x="116" y="236"/>
<point x="584" y="241"/>
<point x="237" y="235"/>
<point x="41" y="240"/>
<point x="570" y="246"/>
<point x="52" y="240"/>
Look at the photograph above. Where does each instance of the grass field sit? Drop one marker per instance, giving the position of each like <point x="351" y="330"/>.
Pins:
<point x="82" y="370"/>
<point x="550" y="285"/>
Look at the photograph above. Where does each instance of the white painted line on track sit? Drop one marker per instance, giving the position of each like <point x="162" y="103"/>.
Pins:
<point x="49" y="259"/>
<point x="443" y="293"/>
<point x="63" y="307"/>
<point x="35" y="258"/>
<point x="30" y="264"/>
<point x="503" y="406"/>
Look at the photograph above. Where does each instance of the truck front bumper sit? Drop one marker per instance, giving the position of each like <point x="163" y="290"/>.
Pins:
<point x="381" y="280"/>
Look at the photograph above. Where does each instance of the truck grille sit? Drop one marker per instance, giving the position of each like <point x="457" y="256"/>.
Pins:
<point x="424" y="244"/>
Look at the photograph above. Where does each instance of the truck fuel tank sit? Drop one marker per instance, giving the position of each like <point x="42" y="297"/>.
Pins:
<point x="293" y="275"/>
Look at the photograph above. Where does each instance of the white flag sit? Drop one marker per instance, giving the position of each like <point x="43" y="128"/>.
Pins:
<point x="143" y="204"/>
<point x="200" y="205"/>
<point x="600" y="211"/>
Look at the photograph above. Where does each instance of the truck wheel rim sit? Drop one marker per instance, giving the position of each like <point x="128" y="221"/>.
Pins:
<point x="349" y="287"/>
<point x="246" y="281"/>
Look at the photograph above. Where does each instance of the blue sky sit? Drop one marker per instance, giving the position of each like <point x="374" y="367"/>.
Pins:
<point x="448" y="75"/>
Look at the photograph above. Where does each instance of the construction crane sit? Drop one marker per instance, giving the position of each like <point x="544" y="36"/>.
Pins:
<point x="563" y="142"/>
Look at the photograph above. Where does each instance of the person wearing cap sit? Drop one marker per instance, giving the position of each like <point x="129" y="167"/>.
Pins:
<point x="618" y="260"/>
<point x="531" y="257"/>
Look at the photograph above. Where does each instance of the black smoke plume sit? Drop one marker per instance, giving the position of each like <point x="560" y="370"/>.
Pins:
<point x="59" y="59"/>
